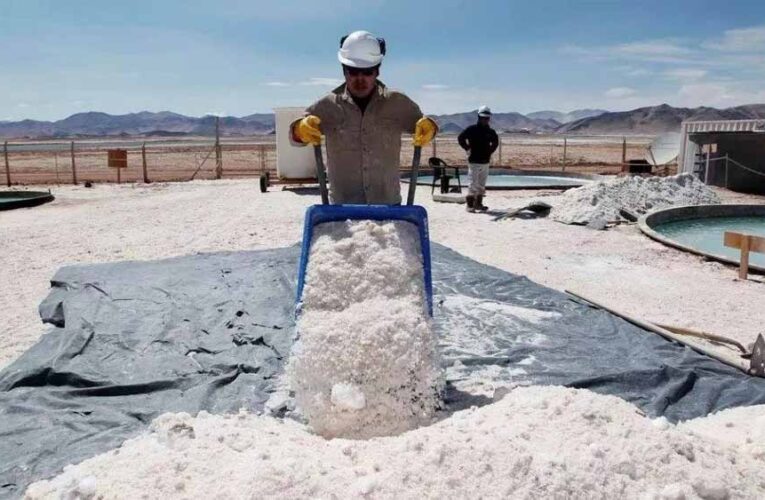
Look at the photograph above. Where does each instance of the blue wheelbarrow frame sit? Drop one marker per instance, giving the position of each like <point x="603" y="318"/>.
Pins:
<point x="414" y="214"/>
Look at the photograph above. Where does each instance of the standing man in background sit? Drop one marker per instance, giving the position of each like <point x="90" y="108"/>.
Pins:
<point x="363" y="121"/>
<point x="480" y="141"/>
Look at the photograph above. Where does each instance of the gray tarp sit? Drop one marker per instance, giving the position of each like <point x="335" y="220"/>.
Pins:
<point x="211" y="332"/>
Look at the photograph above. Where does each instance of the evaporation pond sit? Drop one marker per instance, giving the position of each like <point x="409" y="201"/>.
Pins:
<point x="516" y="181"/>
<point x="706" y="234"/>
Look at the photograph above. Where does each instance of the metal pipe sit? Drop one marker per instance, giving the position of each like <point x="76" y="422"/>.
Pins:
<point x="414" y="176"/>
<point x="321" y="174"/>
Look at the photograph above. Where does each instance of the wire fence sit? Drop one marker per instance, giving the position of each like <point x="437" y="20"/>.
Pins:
<point x="61" y="162"/>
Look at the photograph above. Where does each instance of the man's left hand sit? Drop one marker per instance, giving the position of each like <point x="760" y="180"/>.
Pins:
<point x="424" y="131"/>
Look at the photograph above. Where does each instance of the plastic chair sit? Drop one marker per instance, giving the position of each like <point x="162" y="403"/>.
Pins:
<point x="440" y="167"/>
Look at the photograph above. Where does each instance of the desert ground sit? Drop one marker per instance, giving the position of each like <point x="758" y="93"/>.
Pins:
<point x="179" y="160"/>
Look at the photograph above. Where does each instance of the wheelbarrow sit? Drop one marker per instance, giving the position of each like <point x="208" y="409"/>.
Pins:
<point x="414" y="214"/>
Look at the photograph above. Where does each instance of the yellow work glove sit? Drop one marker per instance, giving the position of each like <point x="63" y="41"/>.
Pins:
<point x="307" y="130"/>
<point x="424" y="131"/>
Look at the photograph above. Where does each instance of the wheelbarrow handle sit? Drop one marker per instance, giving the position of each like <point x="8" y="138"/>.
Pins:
<point x="415" y="174"/>
<point x="321" y="174"/>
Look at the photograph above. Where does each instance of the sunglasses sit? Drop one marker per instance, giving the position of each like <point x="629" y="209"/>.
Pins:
<point x="360" y="71"/>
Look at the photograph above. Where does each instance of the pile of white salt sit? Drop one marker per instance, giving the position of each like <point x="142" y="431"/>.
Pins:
<point x="537" y="442"/>
<point x="365" y="362"/>
<point x="601" y="201"/>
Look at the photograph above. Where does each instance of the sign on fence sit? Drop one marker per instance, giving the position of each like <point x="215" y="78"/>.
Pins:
<point x="117" y="158"/>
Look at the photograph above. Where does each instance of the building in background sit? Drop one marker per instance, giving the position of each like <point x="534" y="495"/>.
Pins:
<point x="727" y="153"/>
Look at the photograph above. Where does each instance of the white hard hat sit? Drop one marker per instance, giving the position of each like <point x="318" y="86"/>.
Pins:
<point x="361" y="49"/>
<point x="484" y="111"/>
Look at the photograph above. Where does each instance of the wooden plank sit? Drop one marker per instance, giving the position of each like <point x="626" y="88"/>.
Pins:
<point x="734" y="240"/>
<point x="743" y="268"/>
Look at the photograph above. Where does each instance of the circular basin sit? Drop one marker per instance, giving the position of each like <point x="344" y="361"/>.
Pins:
<point x="502" y="178"/>
<point x="21" y="199"/>
<point x="700" y="230"/>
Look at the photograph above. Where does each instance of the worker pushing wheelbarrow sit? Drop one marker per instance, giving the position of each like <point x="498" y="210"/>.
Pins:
<point x="362" y="121"/>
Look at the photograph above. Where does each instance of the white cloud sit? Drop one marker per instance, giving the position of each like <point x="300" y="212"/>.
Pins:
<point x="705" y="94"/>
<point x="435" y="86"/>
<point x="651" y="48"/>
<point x="637" y="72"/>
<point x="324" y="82"/>
<point x="740" y="40"/>
<point x="685" y="74"/>
<point x="620" y="92"/>
<point x="277" y="84"/>
<point x="22" y="105"/>
<point x="659" y="51"/>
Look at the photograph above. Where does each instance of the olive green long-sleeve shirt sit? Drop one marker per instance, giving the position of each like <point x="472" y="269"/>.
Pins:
<point x="363" y="150"/>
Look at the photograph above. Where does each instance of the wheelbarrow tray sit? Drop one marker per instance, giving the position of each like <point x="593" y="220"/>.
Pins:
<point x="415" y="214"/>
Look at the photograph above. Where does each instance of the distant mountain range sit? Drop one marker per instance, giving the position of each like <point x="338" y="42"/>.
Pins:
<point x="656" y="119"/>
<point x="95" y="124"/>
<point x="648" y="120"/>
<point x="566" y="117"/>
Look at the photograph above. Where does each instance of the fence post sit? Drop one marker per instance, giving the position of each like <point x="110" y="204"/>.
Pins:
<point x="706" y="171"/>
<point x="726" y="170"/>
<point x="262" y="154"/>
<point x="624" y="153"/>
<point x="7" y="165"/>
<point x="565" y="146"/>
<point x="143" y="161"/>
<point x="435" y="148"/>
<point x="218" y="155"/>
<point x="74" y="167"/>
<point x="499" y="146"/>
<point x="55" y="159"/>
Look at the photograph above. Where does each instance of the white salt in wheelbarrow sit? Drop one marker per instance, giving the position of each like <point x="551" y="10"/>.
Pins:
<point x="415" y="214"/>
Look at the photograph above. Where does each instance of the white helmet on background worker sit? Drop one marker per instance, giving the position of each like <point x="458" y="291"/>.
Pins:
<point x="361" y="49"/>
<point x="484" y="112"/>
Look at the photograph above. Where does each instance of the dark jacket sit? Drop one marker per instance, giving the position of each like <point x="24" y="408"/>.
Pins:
<point x="481" y="141"/>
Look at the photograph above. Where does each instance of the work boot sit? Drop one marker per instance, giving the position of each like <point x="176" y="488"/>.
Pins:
<point x="470" y="200"/>
<point x="478" y="204"/>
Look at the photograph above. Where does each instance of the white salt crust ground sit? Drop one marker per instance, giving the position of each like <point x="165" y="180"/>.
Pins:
<point x="620" y="267"/>
<point x="601" y="201"/>
<point x="537" y="442"/>
<point x="109" y="223"/>
<point x="365" y="363"/>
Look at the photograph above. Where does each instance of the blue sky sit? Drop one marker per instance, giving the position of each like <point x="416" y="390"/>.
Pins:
<point x="238" y="57"/>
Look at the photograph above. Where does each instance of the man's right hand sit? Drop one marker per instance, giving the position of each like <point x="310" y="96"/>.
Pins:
<point x="307" y="130"/>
